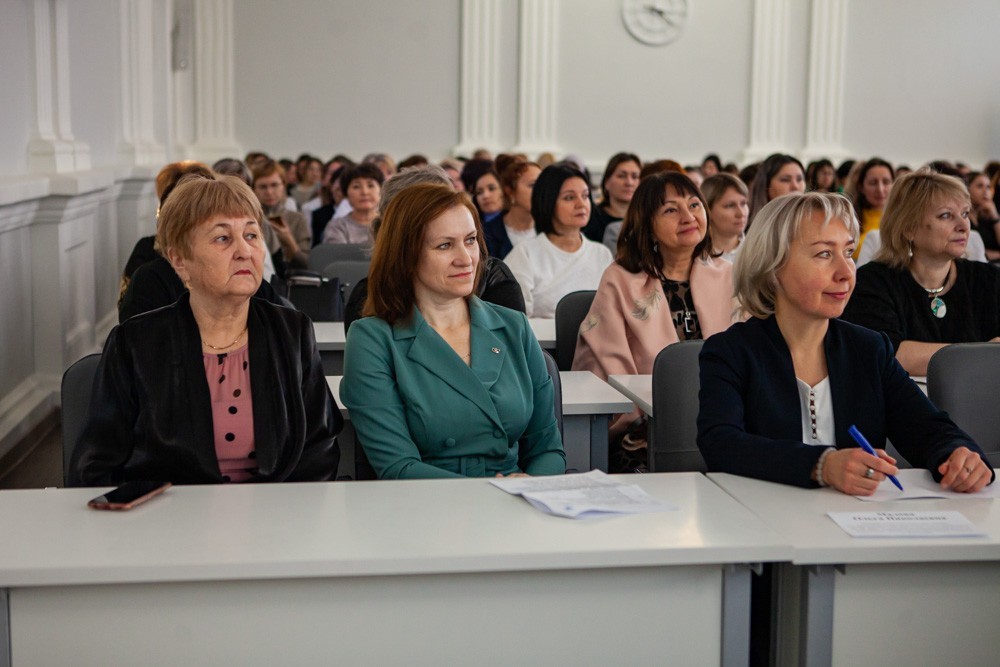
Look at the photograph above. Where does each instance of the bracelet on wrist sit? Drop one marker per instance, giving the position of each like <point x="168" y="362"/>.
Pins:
<point x="819" y="466"/>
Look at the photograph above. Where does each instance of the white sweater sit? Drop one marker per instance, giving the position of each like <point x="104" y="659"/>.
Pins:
<point x="547" y="274"/>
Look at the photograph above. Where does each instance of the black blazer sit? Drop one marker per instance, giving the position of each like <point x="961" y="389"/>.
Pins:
<point x="750" y="421"/>
<point x="151" y="413"/>
<point x="497" y="239"/>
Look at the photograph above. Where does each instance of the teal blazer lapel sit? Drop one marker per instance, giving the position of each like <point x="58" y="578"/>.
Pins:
<point x="429" y="350"/>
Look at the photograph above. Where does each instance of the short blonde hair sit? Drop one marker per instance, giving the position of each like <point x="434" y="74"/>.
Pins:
<point x="196" y="200"/>
<point x="766" y="246"/>
<point x="909" y="200"/>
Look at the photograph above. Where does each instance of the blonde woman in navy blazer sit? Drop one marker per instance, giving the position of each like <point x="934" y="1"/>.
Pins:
<point x="438" y="382"/>
<point x="779" y="391"/>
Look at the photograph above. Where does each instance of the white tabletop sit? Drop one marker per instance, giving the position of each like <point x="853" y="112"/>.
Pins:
<point x="330" y="336"/>
<point x="583" y="394"/>
<point x="216" y="532"/>
<point x="799" y="515"/>
<point x="638" y="388"/>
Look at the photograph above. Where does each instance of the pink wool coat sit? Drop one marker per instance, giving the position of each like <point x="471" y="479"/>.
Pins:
<point x="630" y="321"/>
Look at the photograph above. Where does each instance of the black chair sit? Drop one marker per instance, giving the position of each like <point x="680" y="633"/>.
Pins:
<point x="964" y="381"/>
<point x="77" y="387"/>
<point x="570" y="312"/>
<point x="347" y="273"/>
<point x="673" y="434"/>
<point x="325" y="253"/>
<point x="316" y="295"/>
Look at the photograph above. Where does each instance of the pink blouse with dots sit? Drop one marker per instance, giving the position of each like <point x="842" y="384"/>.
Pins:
<point x="232" y="413"/>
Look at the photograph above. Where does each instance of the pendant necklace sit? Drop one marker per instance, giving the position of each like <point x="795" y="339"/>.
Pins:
<point x="938" y="307"/>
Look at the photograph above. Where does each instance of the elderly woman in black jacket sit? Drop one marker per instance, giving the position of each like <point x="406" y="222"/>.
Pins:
<point x="219" y="386"/>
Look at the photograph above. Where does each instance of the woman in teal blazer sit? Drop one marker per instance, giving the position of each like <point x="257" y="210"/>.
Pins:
<point x="438" y="382"/>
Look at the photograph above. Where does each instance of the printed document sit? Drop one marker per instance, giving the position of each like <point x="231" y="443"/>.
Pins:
<point x="582" y="496"/>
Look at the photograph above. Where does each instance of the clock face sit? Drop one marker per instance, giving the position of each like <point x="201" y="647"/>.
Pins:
<point x="654" y="22"/>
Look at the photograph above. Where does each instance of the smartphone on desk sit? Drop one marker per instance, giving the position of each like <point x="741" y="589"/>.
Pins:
<point x="128" y="495"/>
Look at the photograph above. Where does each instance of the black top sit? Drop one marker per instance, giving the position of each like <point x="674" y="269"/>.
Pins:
<point x="498" y="286"/>
<point x="891" y="301"/>
<point x="750" y="421"/>
<point x="599" y="221"/>
<point x="321" y="217"/>
<point x="151" y="410"/>
<point x="987" y="229"/>
<point x="155" y="284"/>
<point x="142" y="252"/>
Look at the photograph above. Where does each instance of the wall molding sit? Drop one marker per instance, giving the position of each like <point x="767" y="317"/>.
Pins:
<point x="537" y="63"/>
<point x="479" y="95"/>
<point x="769" y="80"/>
<point x="52" y="147"/>
<point x="825" y="102"/>
<point x="214" y="106"/>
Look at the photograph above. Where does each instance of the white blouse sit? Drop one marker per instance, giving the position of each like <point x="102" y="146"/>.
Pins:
<point x="816" y="407"/>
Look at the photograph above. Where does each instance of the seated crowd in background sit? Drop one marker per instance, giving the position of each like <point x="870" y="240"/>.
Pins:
<point x="444" y="377"/>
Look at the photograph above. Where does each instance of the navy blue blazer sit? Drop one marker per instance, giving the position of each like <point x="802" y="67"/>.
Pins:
<point x="750" y="421"/>
<point x="497" y="239"/>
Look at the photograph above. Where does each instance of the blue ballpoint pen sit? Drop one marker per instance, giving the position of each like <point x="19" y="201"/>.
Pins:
<point x="860" y="439"/>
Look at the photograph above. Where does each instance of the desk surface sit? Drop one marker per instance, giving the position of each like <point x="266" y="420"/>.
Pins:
<point x="583" y="394"/>
<point x="276" y="531"/>
<point x="330" y="336"/>
<point x="638" y="388"/>
<point x="799" y="515"/>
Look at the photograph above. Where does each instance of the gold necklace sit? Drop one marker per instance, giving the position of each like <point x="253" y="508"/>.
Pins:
<point x="225" y="347"/>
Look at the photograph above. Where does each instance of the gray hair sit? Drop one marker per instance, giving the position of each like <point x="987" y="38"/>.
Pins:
<point x="427" y="173"/>
<point x="766" y="246"/>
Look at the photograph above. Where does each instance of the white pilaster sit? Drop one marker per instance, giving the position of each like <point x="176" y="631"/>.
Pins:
<point x="213" y="81"/>
<point x="825" y="108"/>
<point x="52" y="147"/>
<point x="769" y="80"/>
<point x="536" y="102"/>
<point x="138" y="144"/>
<point x="480" y="93"/>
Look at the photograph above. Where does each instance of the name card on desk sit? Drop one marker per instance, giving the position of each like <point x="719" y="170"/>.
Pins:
<point x="905" y="524"/>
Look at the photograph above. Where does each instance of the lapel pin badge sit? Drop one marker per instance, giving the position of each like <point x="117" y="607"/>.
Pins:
<point x="496" y="350"/>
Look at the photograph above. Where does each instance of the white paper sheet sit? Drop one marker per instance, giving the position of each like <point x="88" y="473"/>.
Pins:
<point x="905" y="524"/>
<point x="918" y="483"/>
<point x="582" y="496"/>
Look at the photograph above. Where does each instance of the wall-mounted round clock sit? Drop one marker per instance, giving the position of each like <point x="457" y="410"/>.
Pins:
<point x="655" y="22"/>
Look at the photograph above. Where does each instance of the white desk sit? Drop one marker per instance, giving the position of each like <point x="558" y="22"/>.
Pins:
<point x="331" y="339"/>
<point x="587" y="403"/>
<point x="637" y="388"/>
<point x="428" y="572"/>
<point x="879" y="601"/>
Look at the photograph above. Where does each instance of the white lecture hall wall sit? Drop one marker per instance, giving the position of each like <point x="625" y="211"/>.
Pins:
<point x="920" y="81"/>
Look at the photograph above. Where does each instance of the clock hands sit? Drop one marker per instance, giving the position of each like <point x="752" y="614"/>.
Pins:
<point x="653" y="9"/>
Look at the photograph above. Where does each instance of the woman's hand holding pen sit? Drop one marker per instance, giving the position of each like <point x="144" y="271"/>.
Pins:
<point x="964" y="471"/>
<point x="847" y="470"/>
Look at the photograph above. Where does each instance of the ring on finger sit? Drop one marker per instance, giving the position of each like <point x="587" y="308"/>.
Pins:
<point x="869" y="473"/>
<point x="968" y="471"/>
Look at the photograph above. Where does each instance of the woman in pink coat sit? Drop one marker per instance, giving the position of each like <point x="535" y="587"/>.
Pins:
<point x="663" y="287"/>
